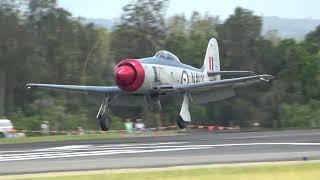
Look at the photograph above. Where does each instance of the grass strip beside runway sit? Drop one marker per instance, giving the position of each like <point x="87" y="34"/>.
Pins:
<point x="292" y="171"/>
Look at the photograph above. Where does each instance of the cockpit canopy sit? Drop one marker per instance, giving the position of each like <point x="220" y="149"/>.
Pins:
<point x="166" y="55"/>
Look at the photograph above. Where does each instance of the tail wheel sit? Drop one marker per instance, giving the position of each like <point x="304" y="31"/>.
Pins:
<point x="104" y="122"/>
<point x="181" y="123"/>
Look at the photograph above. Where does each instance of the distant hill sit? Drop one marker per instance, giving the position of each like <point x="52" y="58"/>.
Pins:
<point x="105" y="23"/>
<point x="290" y="28"/>
<point x="287" y="28"/>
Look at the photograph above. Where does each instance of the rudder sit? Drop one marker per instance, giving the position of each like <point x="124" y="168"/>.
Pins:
<point x="212" y="60"/>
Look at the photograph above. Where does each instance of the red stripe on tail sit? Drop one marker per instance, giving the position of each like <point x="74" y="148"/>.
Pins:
<point x="212" y="65"/>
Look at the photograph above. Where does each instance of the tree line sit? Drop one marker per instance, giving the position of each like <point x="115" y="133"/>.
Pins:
<point x="41" y="42"/>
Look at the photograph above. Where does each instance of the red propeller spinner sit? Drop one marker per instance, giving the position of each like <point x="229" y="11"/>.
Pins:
<point x="129" y="75"/>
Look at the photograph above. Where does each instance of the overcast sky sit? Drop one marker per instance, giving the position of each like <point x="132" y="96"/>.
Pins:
<point x="282" y="8"/>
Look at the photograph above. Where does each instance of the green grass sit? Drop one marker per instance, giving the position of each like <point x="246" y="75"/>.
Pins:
<point x="78" y="137"/>
<point x="305" y="171"/>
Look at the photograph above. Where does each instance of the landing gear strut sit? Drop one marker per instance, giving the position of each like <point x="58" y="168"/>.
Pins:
<point x="102" y="116"/>
<point x="184" y="118"/>
<point x="153" y="102"/>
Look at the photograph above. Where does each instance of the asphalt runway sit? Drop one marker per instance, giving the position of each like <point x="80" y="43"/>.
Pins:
<point x="185" y="149"/>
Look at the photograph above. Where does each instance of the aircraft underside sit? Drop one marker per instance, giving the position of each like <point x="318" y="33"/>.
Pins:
<point x="152" y="102"/>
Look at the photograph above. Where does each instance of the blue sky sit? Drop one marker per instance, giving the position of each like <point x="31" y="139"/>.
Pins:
<point x="282" y="8"/>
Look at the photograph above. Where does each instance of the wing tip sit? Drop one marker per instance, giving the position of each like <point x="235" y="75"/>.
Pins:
<point x="266" y="77"/>
<point x="29" y="85"/>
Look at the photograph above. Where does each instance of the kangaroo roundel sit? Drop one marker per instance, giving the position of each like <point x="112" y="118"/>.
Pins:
<point x="184" y="77"/>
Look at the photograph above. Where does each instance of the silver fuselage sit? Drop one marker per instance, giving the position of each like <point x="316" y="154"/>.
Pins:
<point x="163" y="71"/>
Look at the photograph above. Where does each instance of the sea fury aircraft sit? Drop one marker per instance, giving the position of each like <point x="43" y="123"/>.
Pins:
<point x="141" y="82"/>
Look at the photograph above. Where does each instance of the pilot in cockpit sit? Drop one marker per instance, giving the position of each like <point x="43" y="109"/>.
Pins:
<point x="166" y="55"/>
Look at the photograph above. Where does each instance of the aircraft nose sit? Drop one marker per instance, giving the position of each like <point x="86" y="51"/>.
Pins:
<point x="129" y="75"/>
<point x="125" y="75"/>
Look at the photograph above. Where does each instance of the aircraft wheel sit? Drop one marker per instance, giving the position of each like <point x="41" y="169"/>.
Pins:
<point x="104" y="122"/>
<point x="270" y="81"/>
<point x="181" y="123"/>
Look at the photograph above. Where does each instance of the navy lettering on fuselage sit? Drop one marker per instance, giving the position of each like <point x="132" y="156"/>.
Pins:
<point x="197" y="77"/>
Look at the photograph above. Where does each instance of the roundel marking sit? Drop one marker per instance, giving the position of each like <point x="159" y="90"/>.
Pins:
<point x="184" y="77"/>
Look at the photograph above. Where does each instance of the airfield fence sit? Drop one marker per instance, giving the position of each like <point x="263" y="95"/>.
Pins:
<point x="145" y="130"/>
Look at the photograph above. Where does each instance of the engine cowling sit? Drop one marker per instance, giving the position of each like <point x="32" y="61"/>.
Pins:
<point x="129" y="75"/>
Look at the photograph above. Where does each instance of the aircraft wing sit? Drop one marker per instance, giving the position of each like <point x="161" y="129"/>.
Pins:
<point x="234" y="82"/>
<point x="231" y="73"/>
<point x="102" y="89"/>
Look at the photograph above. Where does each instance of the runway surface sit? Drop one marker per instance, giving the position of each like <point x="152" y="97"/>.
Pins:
<point x="185" y="149"/>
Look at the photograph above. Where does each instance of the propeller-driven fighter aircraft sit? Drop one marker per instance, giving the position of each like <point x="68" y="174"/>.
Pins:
<point x="141" y="82"/>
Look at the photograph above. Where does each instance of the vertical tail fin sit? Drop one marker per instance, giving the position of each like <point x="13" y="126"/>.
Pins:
<point x="212" y="60"/>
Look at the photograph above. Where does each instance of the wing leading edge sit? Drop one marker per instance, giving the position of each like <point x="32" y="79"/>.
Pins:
<point x="234" y="82"/>
<point x="231" y="73"/>
<point x="109" y="89"/>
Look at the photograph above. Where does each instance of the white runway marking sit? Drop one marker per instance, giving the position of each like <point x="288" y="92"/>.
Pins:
<point x="99" y="150"/>
<point x="111" y="146"/>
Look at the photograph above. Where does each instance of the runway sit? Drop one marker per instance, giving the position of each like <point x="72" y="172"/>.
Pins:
<point x="185" y="149"/>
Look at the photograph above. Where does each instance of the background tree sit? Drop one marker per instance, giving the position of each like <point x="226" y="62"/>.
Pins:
<point x="141" y="30"/>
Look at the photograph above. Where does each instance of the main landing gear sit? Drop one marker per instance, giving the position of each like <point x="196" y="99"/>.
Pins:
<point x="102" y="116"/>
<point x="184" y="118"/>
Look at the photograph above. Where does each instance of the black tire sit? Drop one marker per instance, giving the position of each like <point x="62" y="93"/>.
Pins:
<point x="270" y="81"/>
<point x="181" y="123"/>
<point x="104" y="122"/>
